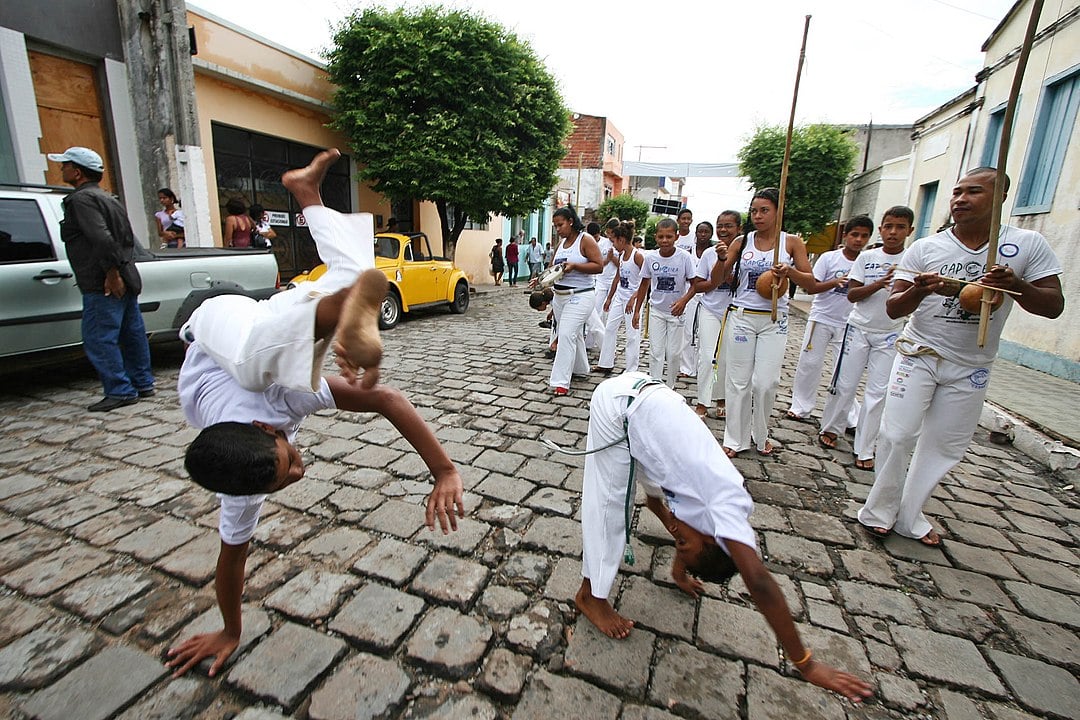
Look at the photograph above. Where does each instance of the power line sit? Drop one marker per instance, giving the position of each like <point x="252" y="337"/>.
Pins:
<point x="964" y="9"/>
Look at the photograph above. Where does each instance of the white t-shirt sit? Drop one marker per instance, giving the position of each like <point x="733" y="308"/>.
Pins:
<point x="718" y="299"/>
<point x="687" y="242"/>
<point x="209" y="395"/>
<point x="629" y="277"/>
<point x="831" y="307"/>
<point x="702" y="487"/>
<point x="869" y="313"/>
<point x="604" y="279"/>
<point x="754" y="264"/>
<point x="939" y="322"/>
<point x="669" y="277"/>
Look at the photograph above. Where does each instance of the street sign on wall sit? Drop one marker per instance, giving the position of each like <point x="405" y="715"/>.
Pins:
<point x="666" y="206"/>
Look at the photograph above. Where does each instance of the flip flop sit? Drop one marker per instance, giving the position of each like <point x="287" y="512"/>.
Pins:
<point x="931" y="539"/>
<point x="768" y="451"/>
<point x="721" y="412"/>
<point x="732" y="454"/>
<point x="827" y="440"/>
<point x="877" y="532"/>
<point x="797" y="418"/>
<point x="867" y="465"/>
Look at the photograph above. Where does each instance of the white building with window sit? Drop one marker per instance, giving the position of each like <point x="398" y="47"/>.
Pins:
<point x="1043" y="164"/>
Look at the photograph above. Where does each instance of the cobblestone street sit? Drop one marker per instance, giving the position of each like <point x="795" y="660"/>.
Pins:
<point x="354" y="610"/>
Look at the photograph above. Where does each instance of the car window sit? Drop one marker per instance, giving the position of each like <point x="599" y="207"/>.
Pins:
<point x="420" y="249"/>
<point x="24" y="236"/>
<point x="386" y="247"/>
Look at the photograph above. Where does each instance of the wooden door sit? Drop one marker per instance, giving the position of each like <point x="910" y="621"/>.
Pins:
<point x="69" y="109"/>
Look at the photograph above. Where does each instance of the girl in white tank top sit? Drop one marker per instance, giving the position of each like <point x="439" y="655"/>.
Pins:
<point x="572" y="254"/>
<point x="752" y="264"/>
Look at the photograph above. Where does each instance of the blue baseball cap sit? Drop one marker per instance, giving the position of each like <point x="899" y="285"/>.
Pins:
<point x="83" y="157"/>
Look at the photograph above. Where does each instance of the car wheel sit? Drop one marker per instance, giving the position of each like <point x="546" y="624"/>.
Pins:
<point x="460" y="303"/>
<point x="390" y="312"/>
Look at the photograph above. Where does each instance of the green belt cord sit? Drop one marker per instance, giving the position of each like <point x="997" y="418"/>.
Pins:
<point x="628" y="556"/>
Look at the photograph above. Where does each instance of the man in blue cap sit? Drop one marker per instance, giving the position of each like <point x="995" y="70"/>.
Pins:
<point x="101" y="248"/>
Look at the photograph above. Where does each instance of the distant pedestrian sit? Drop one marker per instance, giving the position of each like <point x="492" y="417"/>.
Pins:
<point x="549" y="254"/>
<point x="170" y="220"/>
<point x="534" y="256"/>
<point x="238" y="226"/>
<point x="101" y="249"/>
<point x="263" y="234"/>
<point x="497" y="261"/>
<point x="512" y="259"/>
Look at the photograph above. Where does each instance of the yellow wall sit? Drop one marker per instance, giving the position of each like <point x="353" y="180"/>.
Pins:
<point x="473" y="245"/>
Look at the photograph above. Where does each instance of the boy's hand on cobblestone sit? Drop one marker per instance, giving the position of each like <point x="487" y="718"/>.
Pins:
<point x="830" y="678"/>
<point x="687" y="583"/>
<point x="444" y="497"/>
<point x="195" y="649"/>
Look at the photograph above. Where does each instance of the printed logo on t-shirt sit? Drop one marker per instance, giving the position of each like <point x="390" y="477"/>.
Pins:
<point x="560" y="261"/>
<point x="624" y="282"/>
<point x="740" y="338"/>
<point x="1008" y="250"/>
<point x="665" y="283"/>
<point x="979" y="378"/>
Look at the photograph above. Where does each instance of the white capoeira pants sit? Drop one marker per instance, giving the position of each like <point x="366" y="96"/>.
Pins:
<point x="755" y="352"/>
<point x="873" y="352"/>
<point x="572" y="311"/>
<point x="602" y="289"/>
<point x="804" y="392"/>
<point x="665" y="338"/>
<point x="617" y="316"/>
<point x="711" y="369"/>
<point x="688" y="352"/>
<point x="931" y="412"/>
<point x="260" y="343"/>
<point x="594" y="331"/>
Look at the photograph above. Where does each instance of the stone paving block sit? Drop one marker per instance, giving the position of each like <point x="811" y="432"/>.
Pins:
<point x="692" y="683"/>
<point x="525" y="569"/>
<point x="980" y="560"/>
<point x="303" y="495"/>
<point x="504" y="488"/>
<point x="651" y="530"/>
<point x="1046" y="549"/>
<point x="391" y="560"/>
<point x="464" y="540"/>
<point x="57" y="569"/>
<point x="979" y="535"/>
<point x="836" y="649"/>
<point x="504" y="674"/>
<point x="998" y="711"/>
<point x="395" y="517"/>
<point x="1043" y="688"/>
<point x="157" y="540"/>
<point x="898" y="692"/>
<point x="108" y="527"/>
<point x="41" y="655"/>
<point x="1036" y="526"/>
<point x="945" y="659"/>
<point x="955" y="706"/>
<point x="555" y="534"/>
<point x="154" y="494"/>
<point x="539" y="631"/>
<point x="768" y="517"/>
<point x="957" y="618"/>
<point x="10" y="526"/>
<point x="767" y="494"/>
<point x="68" y="514"/>
<point x="908" y="549"/>
<point x="976" y="514"/>
<point x="643" y="712"/>
<point x="18" y="617"/>
<point x="448" y="643"/>
<point x="195" y="562"/>
<point x="869" y="566"/>
<point x="969" y="586"/>
<point x="549" y="696"/>
<point x="364" y="687"/>
<point x="770" y="696"/>
<point x="180" y="699"/>
<point x="283" y="666"/>
<point x="509" y="516"/>
<point x="98" y="688"/>
<point x="1046" y="640"/>
<point x="500" y="602"/>
<point x="667" y="611"/>
<point x="351" y="499"/>
<point x="377" y="617"/>
<point x="621" y="666"/>
<point x="471" y="706"/>
<point x="14" y="485"/>
<point x="791" y="475"/>
<point x="448" y="579"/>
<point x="736" y="631"/>
<point x="311" y="595"/>
<point x="819" y="526"/>
<point x="1048" y="574"/>
<point x="26" y="546"/>
<point x="285" y="529"/>
<point x="96" y="595"/>
<point x="736" y="588"/>
<point x="565" y="580"/>
<point x="879" y="602"/>
<point x="826" y="614"/>
<point x="506" y="463"/>
<point x="553" y="500"/>
<point x="254" y="621"/>
<point x="798" y="553"/>
<point x="882" y="655"/>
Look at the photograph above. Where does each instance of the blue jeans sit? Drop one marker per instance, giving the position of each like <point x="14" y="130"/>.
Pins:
<point x="114" y="339"/>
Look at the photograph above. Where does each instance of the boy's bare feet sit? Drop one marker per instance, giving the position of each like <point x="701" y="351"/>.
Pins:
<point x="304" y="182"/>
<point x="600" y="613"/>
<point x="358" y="345"/>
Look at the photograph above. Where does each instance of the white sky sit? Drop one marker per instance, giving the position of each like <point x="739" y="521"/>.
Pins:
<point x="696" y="78"/>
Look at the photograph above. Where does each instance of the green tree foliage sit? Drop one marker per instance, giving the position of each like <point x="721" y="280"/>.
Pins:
<point x="822" y="157"/>
<point x="624" y="207"/>
<point x="446" y="106"/>
<point x="650" y="231"/>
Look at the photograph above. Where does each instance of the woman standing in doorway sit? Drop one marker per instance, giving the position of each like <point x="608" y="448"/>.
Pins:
<point x="497" y="261"/>
<point x="238" y="225"/>
<point x="753" y="343"/>
<point x="170" y="219"/>
<point x="579" y="256"/>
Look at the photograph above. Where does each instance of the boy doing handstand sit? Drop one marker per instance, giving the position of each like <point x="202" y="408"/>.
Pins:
<point x="634" y="422"/>
<point x="252" y="373"/>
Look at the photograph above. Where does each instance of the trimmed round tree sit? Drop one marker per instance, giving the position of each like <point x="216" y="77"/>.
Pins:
<point x="446" y="106"/>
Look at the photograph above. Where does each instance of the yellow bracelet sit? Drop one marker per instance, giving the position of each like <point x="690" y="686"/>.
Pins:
<point x="805" y="659"/>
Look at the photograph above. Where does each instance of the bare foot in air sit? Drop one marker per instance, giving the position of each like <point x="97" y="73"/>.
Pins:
<point x="358" y="345"/>
<point x="601" y="614"/>
<point x="304" y="182"/>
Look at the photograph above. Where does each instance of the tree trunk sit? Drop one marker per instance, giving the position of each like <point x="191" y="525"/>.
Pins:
<point x="451" y="228"/>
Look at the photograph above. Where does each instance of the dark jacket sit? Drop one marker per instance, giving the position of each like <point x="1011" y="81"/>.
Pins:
<point x="98" y="236"/>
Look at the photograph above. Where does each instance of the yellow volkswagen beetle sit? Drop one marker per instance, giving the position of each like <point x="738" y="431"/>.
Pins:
<point x="417" y="278"/>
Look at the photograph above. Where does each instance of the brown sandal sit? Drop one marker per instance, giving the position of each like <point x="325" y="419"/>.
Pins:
<point x="827" y="440"/>
<point x="732" y="454"/>
<point x="867" y="464"/>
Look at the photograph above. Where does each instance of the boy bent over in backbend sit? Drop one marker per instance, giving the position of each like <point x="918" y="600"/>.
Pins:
<point x="252" y="373"/>
<point x="641" y="419"/>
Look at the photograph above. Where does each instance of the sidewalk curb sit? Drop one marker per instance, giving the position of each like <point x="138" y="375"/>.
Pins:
<point x="1061" y="459"/>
